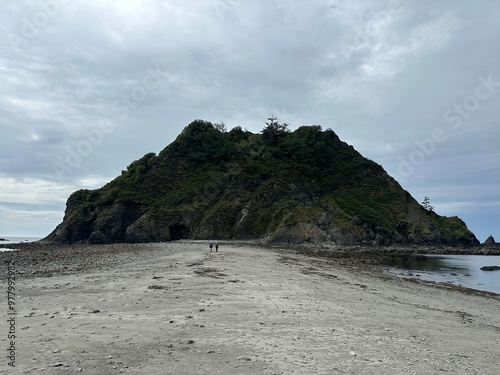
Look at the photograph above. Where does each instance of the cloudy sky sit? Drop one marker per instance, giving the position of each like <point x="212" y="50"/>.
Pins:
<point x="89" y="86"/>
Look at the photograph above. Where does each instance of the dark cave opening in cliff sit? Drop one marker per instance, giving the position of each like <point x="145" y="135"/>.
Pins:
<point x="179" y="232"/>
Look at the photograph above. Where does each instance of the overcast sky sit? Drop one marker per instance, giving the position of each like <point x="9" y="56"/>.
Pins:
<point x="89" y="86"/>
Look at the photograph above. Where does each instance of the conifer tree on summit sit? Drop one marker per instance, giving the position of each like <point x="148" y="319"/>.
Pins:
<point x="274" y="131"/>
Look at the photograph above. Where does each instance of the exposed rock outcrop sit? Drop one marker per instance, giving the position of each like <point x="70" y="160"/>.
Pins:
<point x="490" y="241"/>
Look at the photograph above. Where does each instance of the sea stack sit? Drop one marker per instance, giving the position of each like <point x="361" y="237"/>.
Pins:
<point x="490" y="241"/>
<point x="281" y="186"/>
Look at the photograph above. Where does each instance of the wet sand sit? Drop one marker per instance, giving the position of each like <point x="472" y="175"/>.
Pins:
<point x="176" y="308"/>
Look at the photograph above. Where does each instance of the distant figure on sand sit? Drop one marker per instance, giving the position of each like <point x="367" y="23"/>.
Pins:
<point x="216" y="246"/>
<point x="211" y="246"/>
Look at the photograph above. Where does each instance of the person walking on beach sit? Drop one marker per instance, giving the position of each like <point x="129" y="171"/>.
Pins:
<point x="211" y="244"/>
<point x="216" y="247"/>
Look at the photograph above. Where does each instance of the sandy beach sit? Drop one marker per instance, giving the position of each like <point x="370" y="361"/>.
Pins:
<point x="175" y="308"/>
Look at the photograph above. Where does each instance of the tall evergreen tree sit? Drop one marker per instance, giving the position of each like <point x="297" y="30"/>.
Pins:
<point x="274" y="131"/>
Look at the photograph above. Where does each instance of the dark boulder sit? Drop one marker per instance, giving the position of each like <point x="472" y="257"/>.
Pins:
<point x="490" y="268"/>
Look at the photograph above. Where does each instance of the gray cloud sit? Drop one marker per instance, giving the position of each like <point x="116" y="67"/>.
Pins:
<point x="382" y="74"/>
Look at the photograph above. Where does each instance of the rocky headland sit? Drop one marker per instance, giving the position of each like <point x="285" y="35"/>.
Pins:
<point x="305" y="186"/>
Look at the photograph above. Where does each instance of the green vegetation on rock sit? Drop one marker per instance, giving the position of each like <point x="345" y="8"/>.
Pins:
<point x="305" y="185"/>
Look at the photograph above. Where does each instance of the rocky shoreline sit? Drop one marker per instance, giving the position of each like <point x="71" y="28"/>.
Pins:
<point x="42" y="258"/>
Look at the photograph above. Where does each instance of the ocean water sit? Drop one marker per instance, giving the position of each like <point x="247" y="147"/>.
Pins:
<point x="464" y="270"/>
<point x="12" y="241"/>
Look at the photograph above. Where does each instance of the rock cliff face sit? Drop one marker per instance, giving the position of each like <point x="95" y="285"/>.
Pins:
<point x="305" y="185"/>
